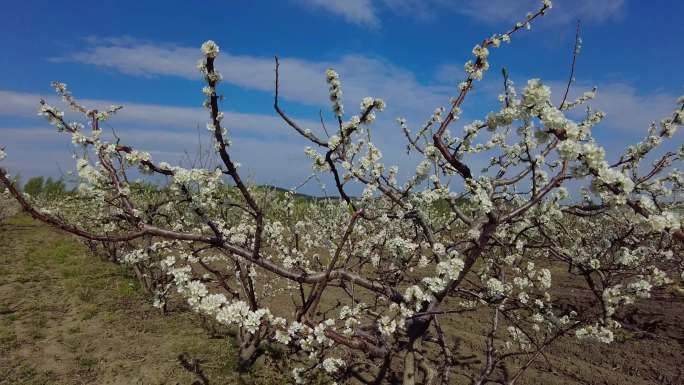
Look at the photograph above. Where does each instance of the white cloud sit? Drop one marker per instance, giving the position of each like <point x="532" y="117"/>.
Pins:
<point x="628" y="111"/>
<point x="54" y="157"/>
<point x="563" y="11"/>
<point x="366" y="12"/>
<point x="173" y="118"/>
<point x="138" y="58"/>
<point x="354" y="11"/>
<point x="270" y="151"/>
<point x="628" y="114"/>
<point x="450" y="73"/>
<point x="509" y="11"/>
<point x="302" y="81"/>
<point x="262" y="143"/>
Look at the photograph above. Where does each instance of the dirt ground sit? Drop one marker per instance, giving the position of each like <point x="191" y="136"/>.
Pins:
<point x="67" y="317"/>
<point x="649" y="348"/>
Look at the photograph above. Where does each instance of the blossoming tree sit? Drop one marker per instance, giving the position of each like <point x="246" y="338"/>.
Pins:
<point x="374" y="288"/>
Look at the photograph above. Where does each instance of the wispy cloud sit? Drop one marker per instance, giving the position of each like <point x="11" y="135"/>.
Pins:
<point x="258" y="138"/>
<point x="267" y="127"/>
<point x="54" y="159"/>
<point x="167" y="132"/>
<point x="367" y="12"/>
<point x="302" y="81"/>
<point x="450" y="73"/>
<point x="497" y="11"/>
<point x="563" y="11"/>
<point x="628" y="111"/>
<point x="354" y="11"/>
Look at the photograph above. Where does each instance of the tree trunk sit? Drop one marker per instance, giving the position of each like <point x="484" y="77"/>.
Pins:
<point x="248" y="349"/>
<point x="410" y="365"/>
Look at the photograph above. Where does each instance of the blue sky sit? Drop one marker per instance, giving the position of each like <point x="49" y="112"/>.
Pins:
<point x="409" y="52"/>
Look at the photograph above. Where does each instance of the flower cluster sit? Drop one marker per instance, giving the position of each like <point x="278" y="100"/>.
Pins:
<point x="210" y="49"/>
<point x="333" y="79"/>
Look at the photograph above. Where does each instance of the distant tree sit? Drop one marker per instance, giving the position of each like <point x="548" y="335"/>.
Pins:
<point x="35" y="186"/>
<point x="53" y="188"/>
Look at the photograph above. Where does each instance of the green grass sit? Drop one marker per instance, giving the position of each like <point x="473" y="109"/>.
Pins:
<point x="68" y="317"/>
